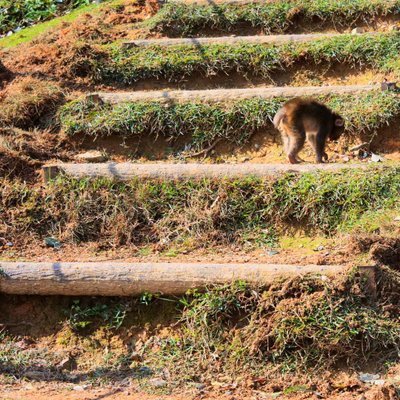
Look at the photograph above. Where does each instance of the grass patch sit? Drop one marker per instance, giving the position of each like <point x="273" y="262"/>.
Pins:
<point x="180" y="19"/>
<point x="236" y="330"/>
<point x="31" y="32"/>
<point x="204" y="123"/>
<point x="27" y="100"/>
<point x="304" y="323"/>
<point x="174" y="63"/>
<point x="251" y="211"/>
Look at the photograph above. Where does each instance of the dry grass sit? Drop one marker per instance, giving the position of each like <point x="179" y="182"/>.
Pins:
<point x="29" y="102"/>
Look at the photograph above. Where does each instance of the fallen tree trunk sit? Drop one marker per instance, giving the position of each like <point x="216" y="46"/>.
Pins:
<point x="129" y="171"/>
<point x="229" y="95"/>
<point x="130" y="279"/>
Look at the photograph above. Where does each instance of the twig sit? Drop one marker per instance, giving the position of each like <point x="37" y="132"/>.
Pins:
<point x="205" y="151"/>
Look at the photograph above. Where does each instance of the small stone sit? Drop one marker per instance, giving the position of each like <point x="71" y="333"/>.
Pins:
<point x="257" y="146"/>
<point x="397" y="219"/>
<point x="200" y="386"/>
<point x="358" y="30"/>
<point x="91" y="156"/>
<point x="345" y="159"/>
<point x="368" y="378"/>
<point x="272" y="252"/>
<point x="135" y="356"/>
<point x="10" y="33"/>
<point x="319" y="248"/>
<point x="35" y="375"/>
<point x="68" y="363"/>
<point x="52" y="242"/>
<point x="71" y="377"/>
<point x="157" y="383"/>
<point x="376" y="158"/>
<point x="80" y="388"/>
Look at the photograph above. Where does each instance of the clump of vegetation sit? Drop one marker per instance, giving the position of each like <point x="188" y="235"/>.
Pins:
<point x="204" y="123"/>
<point x="250" y="211"/>
<point x="81" y="316"/>
<point x="174" y="63"/>
<point x="303" y="323"/>
<point x="27" y="100"/>
<point x="177" y="18"/>
<point x="21" y="13"/>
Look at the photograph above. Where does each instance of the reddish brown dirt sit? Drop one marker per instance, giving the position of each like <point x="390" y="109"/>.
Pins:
<point x="329" y="253"/>
<point x="60" y="392"/>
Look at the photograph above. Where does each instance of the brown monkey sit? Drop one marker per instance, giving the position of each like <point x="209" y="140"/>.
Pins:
<point x="300" y="119"/>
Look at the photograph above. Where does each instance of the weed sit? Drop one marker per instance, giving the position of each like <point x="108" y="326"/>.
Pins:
<point x="82" y="316"/>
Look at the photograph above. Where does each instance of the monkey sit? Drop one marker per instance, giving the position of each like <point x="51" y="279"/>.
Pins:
<point x="300" y="119"/>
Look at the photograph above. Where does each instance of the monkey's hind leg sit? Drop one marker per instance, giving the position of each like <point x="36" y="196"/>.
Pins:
<point x="317" y="141"/>
<point x="296" y="143"/>
<point x="285" y="139"/>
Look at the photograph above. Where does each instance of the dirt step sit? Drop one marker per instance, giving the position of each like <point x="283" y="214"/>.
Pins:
<point x="128" y="279"/>
<point x="278" y="39"/>
<point x="129" y="171"/>
<point x="225" y="95"/>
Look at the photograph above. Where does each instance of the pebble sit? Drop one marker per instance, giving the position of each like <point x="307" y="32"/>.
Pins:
<point x="200" y="386"/>
<point x="80" y="388"/>
<point x="91" y="156"/>
<point x="157" y="383"/>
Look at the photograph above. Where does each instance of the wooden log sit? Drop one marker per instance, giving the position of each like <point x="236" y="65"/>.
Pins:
<point x="130" y="279"/>
<point x="164" y="171"/>
<point x="261" y="39"/>
<point x="229" y="95"/>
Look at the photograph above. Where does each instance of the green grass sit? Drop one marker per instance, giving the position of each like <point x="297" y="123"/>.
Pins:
<point x="204" y="122"/>
<point x="303" y="324"/>
<point x="275" y="17"/>
<point x="30" y="33"/>
<point x="20" y="13"/>
<point x="174" y="63"/>
<point x="248" y="211"/>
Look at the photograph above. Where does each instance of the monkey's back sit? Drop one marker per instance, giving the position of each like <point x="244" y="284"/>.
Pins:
<point x="305" y="114"/>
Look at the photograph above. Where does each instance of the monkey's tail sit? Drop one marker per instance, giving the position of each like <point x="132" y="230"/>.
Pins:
<point x="279" y="116"/>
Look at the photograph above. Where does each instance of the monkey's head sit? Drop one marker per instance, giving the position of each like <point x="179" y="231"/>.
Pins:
<point x="338" y="127"/>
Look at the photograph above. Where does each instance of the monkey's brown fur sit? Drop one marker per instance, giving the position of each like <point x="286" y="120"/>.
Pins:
<point x="300" y="119"/>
